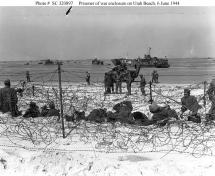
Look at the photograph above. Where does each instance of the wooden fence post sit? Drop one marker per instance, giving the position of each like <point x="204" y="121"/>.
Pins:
<point x="61" y="101"/>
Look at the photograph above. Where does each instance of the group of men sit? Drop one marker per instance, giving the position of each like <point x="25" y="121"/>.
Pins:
<point x="189" y="102"/>
<point x="9" y="100"/>
<point x="155" y="76"/>
<point x="34" y="111"/>
<point x="117" y="76"/>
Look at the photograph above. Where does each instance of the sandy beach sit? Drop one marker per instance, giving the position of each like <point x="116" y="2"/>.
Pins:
<point x="35" y="145"/>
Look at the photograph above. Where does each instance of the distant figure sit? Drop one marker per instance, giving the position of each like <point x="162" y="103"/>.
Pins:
<point x="28" y="76"/>
<point x="88" y="78"/>
<point x="105" y="82"/>
<point x="128" y="82"/>
<point x="52" y="111"/>
<point x="9" y="100"/>
<point x="32" y="111"/>
<point x="189" y="102"/>
<point x="155" y="76"/>
<point x="108" y="82"/>
<point x="211" y="94"/>
<point x="111" y="84"/>
<point x="142" y="85"/>
<point x="118" y="82"/>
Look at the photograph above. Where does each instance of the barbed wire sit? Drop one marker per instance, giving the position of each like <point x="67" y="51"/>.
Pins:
<point x="177" y="136"/>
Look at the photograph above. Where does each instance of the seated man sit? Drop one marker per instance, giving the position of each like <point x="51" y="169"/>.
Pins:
<point x="32" y="111"/>
<point x="123" y="112"/>
<point x="161" y="115"/>
<point x="141" y="119"/>
<point x="52" y="111"/>
<point x="189" y="102"/>
<point x="97" y="115"/>
<point x="75" y="115"/>
<point x="44" y="110"/>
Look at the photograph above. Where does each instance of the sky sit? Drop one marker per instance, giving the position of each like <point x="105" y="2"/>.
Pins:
<point x="34" y="33"/>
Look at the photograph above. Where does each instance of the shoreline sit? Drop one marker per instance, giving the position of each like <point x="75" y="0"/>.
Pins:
<point x="66" y="83"/>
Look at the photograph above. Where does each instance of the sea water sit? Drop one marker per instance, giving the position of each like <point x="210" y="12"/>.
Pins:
<point x="181" y="70"/>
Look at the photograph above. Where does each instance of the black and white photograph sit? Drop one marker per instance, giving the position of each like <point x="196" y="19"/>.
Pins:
<point x="107" y="90"/>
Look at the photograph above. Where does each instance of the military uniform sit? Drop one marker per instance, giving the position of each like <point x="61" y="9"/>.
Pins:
<point x="28" y="76"/>
<point x="32" y="111"/>
<point x="44" y="111"/>
<point x="118" y="83"/>
<point x="97" y="115"/>
<point x="142" y="84"/>
<point x="211" y="94"/>
<point x="52" y="111"/>
<point x="108" y="83"/>
<point x="190" y="103"/>
<point x="161" y="115"/>
<point x="153" y="76"/>
<point x="123" y="111"/>
<point x="128" y="82"/>
<point x="88" y="78"/>
<point x="156" y="76"/>
<point x="105" y="82"/>
<point x="8" y="99"/>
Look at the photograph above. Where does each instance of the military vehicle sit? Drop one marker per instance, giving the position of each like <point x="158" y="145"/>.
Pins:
<point x="97" y="62"/>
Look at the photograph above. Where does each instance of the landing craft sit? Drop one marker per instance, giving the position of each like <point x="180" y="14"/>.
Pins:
<point x="97" y="62"/>
<point x="147" y="61"/>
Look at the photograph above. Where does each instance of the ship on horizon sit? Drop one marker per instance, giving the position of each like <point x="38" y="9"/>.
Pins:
<point x="147" y="61"/>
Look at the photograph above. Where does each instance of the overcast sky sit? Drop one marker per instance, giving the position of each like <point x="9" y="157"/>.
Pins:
<point x="106" y="32"/>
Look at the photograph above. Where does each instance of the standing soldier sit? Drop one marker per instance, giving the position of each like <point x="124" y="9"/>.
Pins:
<point x="8" y="99"/>
<point x="142" y="84"/>
<point x="211" y="93"/>
<point x="28" y="76"/>
<point x="128" y="82"/>
<point x="153" y="76"/>
<point x="156" y="76"/>
<point x="88" y="78"/>
<point x="118" y="82"/>
<point x="107" y="83"/>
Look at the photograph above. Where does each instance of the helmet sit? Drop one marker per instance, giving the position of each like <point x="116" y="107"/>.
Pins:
<point x="186" y="90"/>
<point x="7" y="82"/>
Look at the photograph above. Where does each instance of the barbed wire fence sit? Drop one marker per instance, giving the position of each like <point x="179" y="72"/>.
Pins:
<point x="177" y="136"/>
